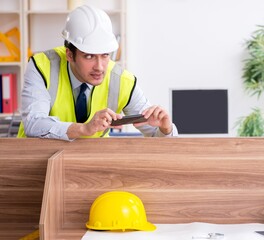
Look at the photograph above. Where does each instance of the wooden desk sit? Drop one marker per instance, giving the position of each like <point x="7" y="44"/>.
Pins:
<point x="216" y="180"/>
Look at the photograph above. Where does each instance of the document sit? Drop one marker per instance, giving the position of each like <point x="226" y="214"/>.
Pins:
<point x="188" y="231"/>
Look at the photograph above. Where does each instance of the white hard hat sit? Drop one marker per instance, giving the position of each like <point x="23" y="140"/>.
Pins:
<point x="90" y="30"/>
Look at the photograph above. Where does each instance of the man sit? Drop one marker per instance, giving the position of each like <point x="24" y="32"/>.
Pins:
<point x="59" y="83"/>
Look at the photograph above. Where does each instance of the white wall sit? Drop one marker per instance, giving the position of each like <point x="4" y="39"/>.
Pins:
<point x="192" y="44"/>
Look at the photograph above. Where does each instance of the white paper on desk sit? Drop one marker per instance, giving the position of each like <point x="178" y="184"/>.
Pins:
<point x="182" y="232"/>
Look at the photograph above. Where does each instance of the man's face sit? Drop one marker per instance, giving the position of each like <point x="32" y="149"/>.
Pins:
<point x="89" y="68"/>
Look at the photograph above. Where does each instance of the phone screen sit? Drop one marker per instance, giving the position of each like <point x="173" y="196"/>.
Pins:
<point x="129" y="120"/>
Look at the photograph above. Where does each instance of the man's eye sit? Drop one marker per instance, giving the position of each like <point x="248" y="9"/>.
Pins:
<point x="89" y="56"/>
<point x="105" y="55"/>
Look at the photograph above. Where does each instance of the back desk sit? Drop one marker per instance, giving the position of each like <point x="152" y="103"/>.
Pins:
<point x="179" y="180"/>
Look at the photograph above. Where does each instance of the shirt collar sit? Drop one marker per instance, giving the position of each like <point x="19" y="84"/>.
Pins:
<point x="74" y="81"/>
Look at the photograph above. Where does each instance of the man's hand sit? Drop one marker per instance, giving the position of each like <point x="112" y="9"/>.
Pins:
<point x="100" y="121"/>
<point x="157" y="117"/>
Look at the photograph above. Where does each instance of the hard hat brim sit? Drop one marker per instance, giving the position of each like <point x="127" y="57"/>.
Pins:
<point x="147" y="227"/>
<point x="97" y="49"/>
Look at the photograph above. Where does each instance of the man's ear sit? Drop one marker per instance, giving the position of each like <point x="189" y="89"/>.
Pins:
<point x="69" y="55"/>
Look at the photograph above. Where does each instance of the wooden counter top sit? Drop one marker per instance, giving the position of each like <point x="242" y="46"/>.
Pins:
<point x="23" y="164"/>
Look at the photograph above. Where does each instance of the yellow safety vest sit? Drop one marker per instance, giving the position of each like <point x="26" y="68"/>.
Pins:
<point x="114" y="92"/>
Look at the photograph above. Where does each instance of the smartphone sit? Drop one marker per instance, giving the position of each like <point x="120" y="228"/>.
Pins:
<point x="137" y="118"/>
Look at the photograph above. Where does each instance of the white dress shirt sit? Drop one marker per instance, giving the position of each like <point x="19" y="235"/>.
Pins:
<point x="36" y="107"/>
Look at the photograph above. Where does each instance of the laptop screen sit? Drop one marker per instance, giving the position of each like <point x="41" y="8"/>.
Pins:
<point x="200" y="111"/>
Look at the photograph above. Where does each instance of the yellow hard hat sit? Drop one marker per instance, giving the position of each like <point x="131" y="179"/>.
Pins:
<point x="118" y="210"/>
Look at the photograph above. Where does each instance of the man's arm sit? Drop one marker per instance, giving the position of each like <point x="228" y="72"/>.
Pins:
<point x="36" y="107"/>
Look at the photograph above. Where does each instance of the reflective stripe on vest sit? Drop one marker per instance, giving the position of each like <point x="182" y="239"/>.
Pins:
<point x="55" y="59"/>
<point x="114" y="85"/>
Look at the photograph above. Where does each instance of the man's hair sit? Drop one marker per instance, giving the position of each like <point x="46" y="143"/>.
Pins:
<point x="71" y="47"/>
